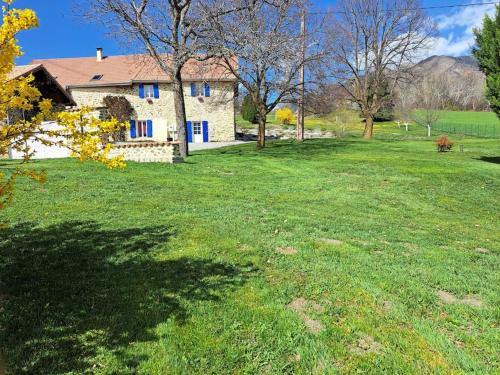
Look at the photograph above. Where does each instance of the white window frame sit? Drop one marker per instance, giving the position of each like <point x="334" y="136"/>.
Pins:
<point x="143" y="130"/>
<point x="200" y="89"/>
<point x="200" y="124"/>
<point x="149" y="91"/>
<point x="172" y="132"/>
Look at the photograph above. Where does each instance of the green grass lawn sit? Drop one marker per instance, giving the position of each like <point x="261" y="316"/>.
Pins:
<point x="330" y="256"/>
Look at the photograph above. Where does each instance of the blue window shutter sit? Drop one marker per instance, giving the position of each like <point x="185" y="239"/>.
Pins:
<point x="193" y="89"/>
<point x="141" y="90"/>
<point x="132" y="129"/>
<point x="207" y="89"/>
<point x="205" y="131"/>
<point x="189" y="130"/>
<point x="156" y="89"/>
<point x="150" y="128"/>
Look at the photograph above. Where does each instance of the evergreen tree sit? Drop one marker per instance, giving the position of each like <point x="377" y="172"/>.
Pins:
<point x="487" y="53"/>
<point x="249" y="110"/>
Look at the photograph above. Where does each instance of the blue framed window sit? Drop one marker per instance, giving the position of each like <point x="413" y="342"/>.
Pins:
<point x="149" y="91"/>
<point x="141" y="129"/>
<point x="200" y="89"/>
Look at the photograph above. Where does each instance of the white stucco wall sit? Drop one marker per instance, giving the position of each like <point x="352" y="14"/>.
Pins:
<point x="218" y="109"/>
<point x="42" y="151"/>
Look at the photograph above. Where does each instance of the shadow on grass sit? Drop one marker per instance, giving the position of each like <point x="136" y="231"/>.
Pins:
<point x="490" y="159"/>
<point x="70" y="292"/>
<point x="15" y="162"/>
<point x="290" y="149"/>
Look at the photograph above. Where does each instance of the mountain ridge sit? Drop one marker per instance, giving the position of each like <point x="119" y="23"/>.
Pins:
<point x="453" y="67"/>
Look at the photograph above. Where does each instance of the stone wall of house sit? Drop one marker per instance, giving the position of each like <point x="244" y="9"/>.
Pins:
<point x="218" y="109"/>
<point x="148" y="152"/>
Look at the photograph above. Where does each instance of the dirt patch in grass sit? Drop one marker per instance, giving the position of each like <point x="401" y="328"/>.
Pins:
<point x="473" y="301"/>
<point x="302" y="307"/>
<point x="331" y="241"/>
<point x="449" y="298"/>
<point x="386" y="305"/>
<point x="446" y="297"/>
<point x="324" y="367"/>
<point x="286" y="250"/>
<point x="410" y="246"/>
<point x="366" y="345"/>
<point x="482" y="250"/>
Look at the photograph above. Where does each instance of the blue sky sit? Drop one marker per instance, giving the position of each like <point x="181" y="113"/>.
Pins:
<point x="62" y="33"/>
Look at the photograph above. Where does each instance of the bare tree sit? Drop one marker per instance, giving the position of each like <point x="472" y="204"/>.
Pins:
<point x="450" y="92"/>
<point x="373" y="44"/>
<point x="170" y="32"/>
<point x="404" y="104"/>
<point x="264" y="36"/>
<point x="326" y="97"/>
<point x="428" y="98"/>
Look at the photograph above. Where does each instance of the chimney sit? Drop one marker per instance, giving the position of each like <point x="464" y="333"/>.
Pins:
<point x="99" y="54"/>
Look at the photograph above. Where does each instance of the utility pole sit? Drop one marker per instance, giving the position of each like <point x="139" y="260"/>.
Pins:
<point x="301" y="100"/>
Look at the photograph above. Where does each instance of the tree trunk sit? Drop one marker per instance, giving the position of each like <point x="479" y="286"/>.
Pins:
<point x="180" y="112"/>
<point x="261" y="134"/>
<point x="368" y="133"/>
<point x="301" y="104"/>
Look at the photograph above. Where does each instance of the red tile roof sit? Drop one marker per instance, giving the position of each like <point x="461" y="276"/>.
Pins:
<point x="127" y="69"/>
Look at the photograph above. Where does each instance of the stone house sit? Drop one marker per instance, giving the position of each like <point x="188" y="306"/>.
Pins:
<point x="209" y="94"/>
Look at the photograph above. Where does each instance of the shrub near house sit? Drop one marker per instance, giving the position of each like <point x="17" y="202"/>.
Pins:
<point x="444" y="144"/>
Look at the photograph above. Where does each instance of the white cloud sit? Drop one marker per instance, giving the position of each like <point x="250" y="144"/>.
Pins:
<point x="451" y="46"/>
<point x="456" y="30"/>
<point x="467" y="17"/>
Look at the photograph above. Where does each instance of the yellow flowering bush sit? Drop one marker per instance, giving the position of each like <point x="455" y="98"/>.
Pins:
<point x="79" y="131"/>
<point x="285" y="116"/>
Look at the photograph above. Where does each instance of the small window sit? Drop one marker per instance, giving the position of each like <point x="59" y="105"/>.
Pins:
<point x="149" y="91"/>
<point x="97" y="77"/>
<point x="200" y="89"/>
<point x="141" y="129"/>
<point x="197" y="128"/>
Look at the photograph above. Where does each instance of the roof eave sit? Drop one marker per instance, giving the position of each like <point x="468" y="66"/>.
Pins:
<point x="28" y="72"/>
<point x="136" y="81"/>
<point x="51" y="77"/>
<point x="103" y="84"/>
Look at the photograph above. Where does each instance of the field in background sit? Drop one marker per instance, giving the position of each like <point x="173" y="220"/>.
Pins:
<point x="458" y="124"/>
<point x="479" y="124"/>
<point x="345" y="123"/>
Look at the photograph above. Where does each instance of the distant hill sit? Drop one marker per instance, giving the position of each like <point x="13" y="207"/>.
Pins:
<point x="461" y="82"/>
<point x="452" y="67"/>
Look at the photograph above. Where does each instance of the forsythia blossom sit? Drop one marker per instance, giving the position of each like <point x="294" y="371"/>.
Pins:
<point x="79" y="131"/>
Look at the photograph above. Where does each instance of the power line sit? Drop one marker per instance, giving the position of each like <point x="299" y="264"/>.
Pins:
<point x="460" y="5"/>
<point x="421" y="8"/>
